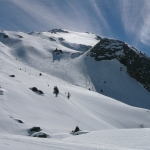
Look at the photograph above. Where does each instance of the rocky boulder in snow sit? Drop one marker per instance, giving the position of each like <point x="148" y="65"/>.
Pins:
<point x="34" y="89"/>
<point x="40" y="135"/>
<point x="19" y="121"/>
<point x="34" y="129"/>
<point x="12" y="76"/>
<point x="36" y="132"/>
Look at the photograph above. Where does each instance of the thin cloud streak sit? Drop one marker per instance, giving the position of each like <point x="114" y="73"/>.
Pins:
<point x="38" y="12"/>
<point x="99" y="14"/>
<point x="145" y="30"/>
<point x="127" y="20"/>
<point x="136" y="19"/>
<point x="55" y="16"/>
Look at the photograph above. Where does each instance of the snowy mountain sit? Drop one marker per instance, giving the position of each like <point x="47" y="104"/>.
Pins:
<point x="137" y="63"/>
<point x="107" y="68"/>
<point x="31" y="64"/>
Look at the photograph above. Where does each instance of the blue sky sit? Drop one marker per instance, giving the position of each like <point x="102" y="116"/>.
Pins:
<point x="126" y="20"/>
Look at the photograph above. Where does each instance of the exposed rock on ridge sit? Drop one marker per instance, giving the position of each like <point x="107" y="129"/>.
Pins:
<point x="137" y="63"/>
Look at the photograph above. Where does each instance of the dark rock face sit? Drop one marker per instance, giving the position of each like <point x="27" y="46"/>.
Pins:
<point x="107" y="49"/>
<point x="58" y="30"/>
<point x="98" y="37"/>
<point x="137" y="63"/>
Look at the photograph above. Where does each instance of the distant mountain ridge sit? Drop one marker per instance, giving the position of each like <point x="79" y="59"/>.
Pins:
<point x="137" y="63"/>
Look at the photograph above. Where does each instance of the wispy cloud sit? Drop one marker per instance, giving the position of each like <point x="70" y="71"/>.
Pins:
<point x="127" y="20"/>
<point x="63" y="14"/>
<point x="136" y="19"/>
<point x="144" y="33"/>
<point x="38" y="11"/>
<point x="98" y="11"/>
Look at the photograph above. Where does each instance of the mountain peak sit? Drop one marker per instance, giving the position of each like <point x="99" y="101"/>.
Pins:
<point x="137" y="63"/>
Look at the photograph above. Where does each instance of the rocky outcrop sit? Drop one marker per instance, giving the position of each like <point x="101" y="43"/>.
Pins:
<point x="5" y="36"/>
<point x="34" y="89"/>
<point x="137" y="63"/>
<point x="57" y="52"/>
<point x="58" y="30"/>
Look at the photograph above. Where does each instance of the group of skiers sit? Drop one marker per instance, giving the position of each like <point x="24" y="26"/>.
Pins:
<point x="56" y="91"/>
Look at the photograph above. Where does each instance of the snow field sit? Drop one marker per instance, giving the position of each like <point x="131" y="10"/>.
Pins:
<point x="111" y="124"/>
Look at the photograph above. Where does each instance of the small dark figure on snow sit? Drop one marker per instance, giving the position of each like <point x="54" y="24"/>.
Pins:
<point x="68" y="95"/>
<point x="56" y="91"/>
<point x="76" y="129"/>
<point x="101" y="90"/>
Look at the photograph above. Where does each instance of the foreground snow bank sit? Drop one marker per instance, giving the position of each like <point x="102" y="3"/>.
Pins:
<point x="104" y="140"/>
<point x="116" y="138"/>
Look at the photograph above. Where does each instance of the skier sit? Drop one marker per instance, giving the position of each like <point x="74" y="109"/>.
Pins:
<point x="68" y="95"/>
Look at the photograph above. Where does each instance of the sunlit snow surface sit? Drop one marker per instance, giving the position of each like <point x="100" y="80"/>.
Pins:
<point x="111" y="124"/>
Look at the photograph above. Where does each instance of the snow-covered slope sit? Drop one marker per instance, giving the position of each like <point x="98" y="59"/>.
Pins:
<point x="60" y="53"/>
<point x="58" y="114"/>
<point x="115" y="139"/>
<point x="71" y="69"/>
